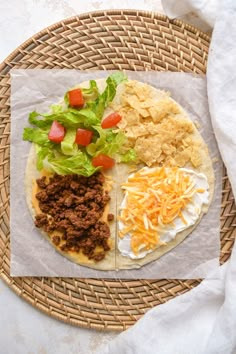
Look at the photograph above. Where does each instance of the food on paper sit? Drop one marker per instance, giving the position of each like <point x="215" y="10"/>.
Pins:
<point x="74" y="213"/>
<point x="69" y="172"/>
<point x="157" y="127"/>
<point x="159" y="202"/>
<point x="165" y="140"/>
<point x="81" y="190"/>
<point x="72" y="134"/>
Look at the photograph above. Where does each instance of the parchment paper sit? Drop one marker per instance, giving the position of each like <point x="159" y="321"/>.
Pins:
<point x="31" y="254"/>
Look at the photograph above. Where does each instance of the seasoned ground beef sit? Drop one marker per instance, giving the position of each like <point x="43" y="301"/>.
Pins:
<point x="42" y="182"/>
<point x="110" y="217"/>
<point x="41" y="220"/>
<point x="73" y="205"/>
<point x="56" y="240"/>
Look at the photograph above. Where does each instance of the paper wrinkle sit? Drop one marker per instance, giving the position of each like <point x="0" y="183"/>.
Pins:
<point x="31" y="254"/>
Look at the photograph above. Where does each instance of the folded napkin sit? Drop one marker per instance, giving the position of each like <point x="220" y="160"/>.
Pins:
<point x="202" y="321"/>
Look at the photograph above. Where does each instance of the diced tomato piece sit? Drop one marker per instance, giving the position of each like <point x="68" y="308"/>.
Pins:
<point x="111" y="120"/>
<point x="103" y="161"/>
<point x="76" y="98"/>
<point x="83" y="137"/>
<point x="57" y="132"/>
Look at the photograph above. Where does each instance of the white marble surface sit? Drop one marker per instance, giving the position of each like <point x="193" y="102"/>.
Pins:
<point x="23" y="329"/>
<point x="22" y="19"/>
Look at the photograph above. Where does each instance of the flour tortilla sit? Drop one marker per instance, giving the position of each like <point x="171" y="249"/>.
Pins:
<point x="206" y="168"/>
<point x="31" y="174"/>
<point x="114" y="259"/>
<point x="123" y="262"/>
<point x="108" y="263"/>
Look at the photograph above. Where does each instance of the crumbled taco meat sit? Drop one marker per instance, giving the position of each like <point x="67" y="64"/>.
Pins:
<point x="72" y="207"/>
<point x="110" y="217"/>
<point x="156" y="127"/>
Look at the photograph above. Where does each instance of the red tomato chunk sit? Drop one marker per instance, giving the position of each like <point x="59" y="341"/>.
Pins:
<point x="103" y="161"/>
<point x="83" y="137"/>
<point x="76" y="98"/>
<point x="57" y="132"/>
<point x="111" y="121"/>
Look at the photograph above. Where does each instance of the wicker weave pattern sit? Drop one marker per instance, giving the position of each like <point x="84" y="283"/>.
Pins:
<point x="103" y="40"/>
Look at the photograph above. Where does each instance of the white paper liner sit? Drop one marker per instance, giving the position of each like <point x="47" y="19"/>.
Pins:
<point x="31" y="254"/>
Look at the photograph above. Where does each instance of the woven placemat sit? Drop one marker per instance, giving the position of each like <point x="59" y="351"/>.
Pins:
<point x="133" y="40"/>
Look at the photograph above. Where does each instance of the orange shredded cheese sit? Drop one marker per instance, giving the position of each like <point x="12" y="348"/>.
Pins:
<point x="154" y="197"/>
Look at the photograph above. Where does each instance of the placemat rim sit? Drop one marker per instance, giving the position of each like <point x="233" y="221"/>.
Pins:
<point x="150" y="14"/>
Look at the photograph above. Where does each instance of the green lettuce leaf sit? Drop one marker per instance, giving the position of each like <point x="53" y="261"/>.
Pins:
<point x="66" y="99"/>
<point x="42" y="152"/>
<point x="68" y="146"/>
<point x="40" y="123"/>
<point x="71" y="118"/>
<point x="88" y="93"/>
<point x="92" y="91"/>
<point x="108" y="143"/>
<point x="98" y="106"/>
<point x="129" y="156"/>
<point x="56" y="108"/>
<point x="78" y="164"/>
<point x="36" y="135"/>
<point x="66" y="157"/>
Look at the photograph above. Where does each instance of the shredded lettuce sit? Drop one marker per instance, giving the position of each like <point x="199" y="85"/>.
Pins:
<point x="92" y="91"/>
<point x="42" y="153"/>
<point x="107" y="143"/>
<point x="40" y="123"/>
<point x="37" y="136"/>
<point x="56" y="108"/>
<point x="78" y="164"/>
<point x="111" y="144"/>
<point x="129" y="156"/>
<point x="98" y="106"/>
<point x="69" y="118"/>
<point x="66" y="157"/>
<point x="68" y="146"/>
<point x="88" y="93"/>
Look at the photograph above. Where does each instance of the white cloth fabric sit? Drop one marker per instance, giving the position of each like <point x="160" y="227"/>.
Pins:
<point x="205" y="9"/>
<point x="202" y="321"/>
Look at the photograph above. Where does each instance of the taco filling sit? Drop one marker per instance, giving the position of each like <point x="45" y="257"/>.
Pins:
<point x="159" y="203"/>
<point x="171" y="189"/>
<point x="74" y="144"/>
<point x="78" y="176"/>
<point x="72" y="213"/>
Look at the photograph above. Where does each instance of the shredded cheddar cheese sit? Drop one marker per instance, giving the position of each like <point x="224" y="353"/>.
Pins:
<point x="154" y="197"/>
